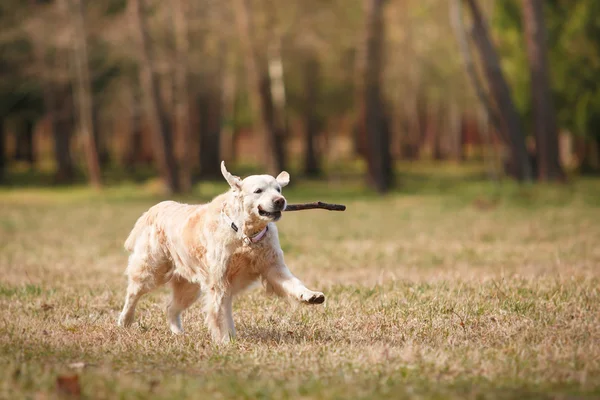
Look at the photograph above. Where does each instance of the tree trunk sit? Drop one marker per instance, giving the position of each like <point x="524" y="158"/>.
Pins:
<point x="546" y="131"/>
<point x="275" y="100"/>
<point x="211" y="105"/>
<point x="245" y="32"/>
<point x="101" y="141"/>
<point x="489" y="149"/>
<point x="229" y="83"/>
<point x="379" y="160"/>
<point x="413" y="98"/>
<point x="58" y="105"/>
<point x="84" y="91"/>
<point x="62" y="127"/>
<point x="410" y="141"/>
<point x="162" y="139"/>
<point x="102" y="136"/>
<point x="62" y="150"/>
<point x="359" y="130"/>
<point x="24" y="144"/>
<point x="181" y="96"/>
<point x="433" y="127"/>
<point x="260" y="92"/>
<point x="455" y="133"/>
<point x="209" y="109"/>
<point x="456" y="16"/>
<point x="133" y="141"/>
<point x="489" y="113"/>
<point x="3" y="160"/>
<point x="502" y="94"/>
<point x="312" y="123"/>
<point x="588" y="153"/>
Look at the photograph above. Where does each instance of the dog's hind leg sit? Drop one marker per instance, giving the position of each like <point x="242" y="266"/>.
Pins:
<point x="143" y="278"/>
<point x="185" y="293"/>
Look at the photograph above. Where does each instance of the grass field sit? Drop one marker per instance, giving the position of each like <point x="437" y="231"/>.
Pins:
<point x="449" y="288"/>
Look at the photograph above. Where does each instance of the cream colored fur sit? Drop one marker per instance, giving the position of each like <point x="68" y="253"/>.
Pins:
<point x="193" y="248"/>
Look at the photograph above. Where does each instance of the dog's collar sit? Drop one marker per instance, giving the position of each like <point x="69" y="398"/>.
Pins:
<point x="247" y="239"/>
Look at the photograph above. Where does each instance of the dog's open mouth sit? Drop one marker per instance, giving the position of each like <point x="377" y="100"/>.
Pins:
<point x="273" y="215"/>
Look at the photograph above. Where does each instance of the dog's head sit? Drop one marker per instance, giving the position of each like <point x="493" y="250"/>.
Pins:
<point x="260" y="194"/>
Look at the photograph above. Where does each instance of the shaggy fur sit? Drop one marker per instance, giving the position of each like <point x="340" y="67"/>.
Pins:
<point x="194" y="247"/>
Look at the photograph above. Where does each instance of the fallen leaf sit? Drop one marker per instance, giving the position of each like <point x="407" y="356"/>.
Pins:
<point x="153" y="384"/>
<point x="68" y="385"/>
<point x="47" y="307"/>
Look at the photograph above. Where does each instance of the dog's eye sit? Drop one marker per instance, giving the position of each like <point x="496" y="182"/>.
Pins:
<point x="278" y="190"/>
<point x="258" y="191"/>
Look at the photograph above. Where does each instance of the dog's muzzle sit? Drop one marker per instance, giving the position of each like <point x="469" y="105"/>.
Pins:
<point x="275" y="215"/>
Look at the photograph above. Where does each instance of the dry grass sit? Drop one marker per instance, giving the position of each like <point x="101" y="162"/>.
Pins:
<point x="430" y="295"/>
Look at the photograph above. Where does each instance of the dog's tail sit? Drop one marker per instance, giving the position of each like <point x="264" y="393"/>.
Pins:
<point x="138" y="228"/>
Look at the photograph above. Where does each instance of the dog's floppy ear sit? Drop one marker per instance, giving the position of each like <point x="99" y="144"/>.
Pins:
<point x="283" y="179"/>
<point x="234" y="181"/>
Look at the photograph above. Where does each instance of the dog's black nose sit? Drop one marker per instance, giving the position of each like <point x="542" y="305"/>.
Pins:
<point x="279" y="202"/>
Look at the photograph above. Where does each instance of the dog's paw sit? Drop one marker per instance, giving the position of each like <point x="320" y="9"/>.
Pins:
<point x="223" y="339"/>
<point x="176" y="329"/>
<point x="313" y="298"/>
<point x="125" y="320"/>
<point x="122" y="323"/>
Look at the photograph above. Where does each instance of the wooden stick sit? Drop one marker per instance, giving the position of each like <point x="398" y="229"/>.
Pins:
<point x="316" y="204"/>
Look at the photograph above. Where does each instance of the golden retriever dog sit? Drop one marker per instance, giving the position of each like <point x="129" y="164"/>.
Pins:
<point x="218" y="248"/>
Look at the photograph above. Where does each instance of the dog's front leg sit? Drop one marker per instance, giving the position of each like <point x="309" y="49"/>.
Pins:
<point x="218" y="300"/>
<point x="280" y="280"/>
<point x="219" y="314"/>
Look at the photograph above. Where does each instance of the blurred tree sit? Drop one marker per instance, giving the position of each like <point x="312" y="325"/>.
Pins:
<point x="470" y="68"/>
<point x="84" y="90"/>
<point x="273" y="89"/>
<point x="519" y="162"/>
<point x="312" y="120"/>
<point x="210" y="107"/>
<point x="359" y="129"/>
<point x="264" y="86"/>
<point x="288" y="70"/>
<point x="210" y="95"/>
<point x="162" y="139"/>
<point x="573" y="35"/>
<point x="376" y="122"/>
<point x="110" y="73"/>
<point x="133" y="142"/>
<point x="179" y="13"/>
<point x="61" y="108"/>
<point x="24" y="150"/>
<point x="50" y="72"/>
<point x="575" y="57"/>
<point x="546" y="131"/>
<point x="230" y="91"/>
<point x="20" y="107"/>
<point x="488" y="111"/>
<point x="3" y="162"/>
